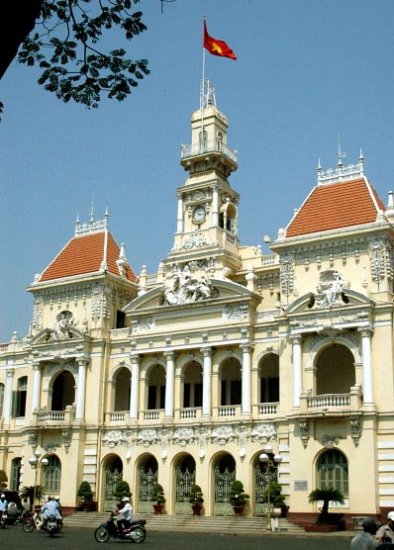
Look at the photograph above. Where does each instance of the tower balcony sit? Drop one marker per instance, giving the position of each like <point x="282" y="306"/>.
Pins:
<point x="199" y="151"/>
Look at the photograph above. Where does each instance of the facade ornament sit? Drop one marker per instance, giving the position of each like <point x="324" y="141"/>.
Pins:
<point x="330" y="289"/>
<point x="147" y="437"/>
<point x="101" y="302"/>
<point x="263" y="433"/>
<point x="185" y="289"/>
<point x="66" y="435"/>
<point x="355" y="429"/>
<point x="184" y="436"/>
<point x="64" y="322"/>
<point x="233" y="313"/>
<point x="381" y="260"/>
<point x="304" y="429"/>
<point x="143" y="324"/>
<point x="33" y="439"/>
<point x="223" y="435"/>
<point x="287" y="274"/>
<point x="113" y="438"/>
<point x="330" y="441"/>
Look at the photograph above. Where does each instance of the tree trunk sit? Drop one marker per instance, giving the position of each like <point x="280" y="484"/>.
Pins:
<point x="17" y="20"/>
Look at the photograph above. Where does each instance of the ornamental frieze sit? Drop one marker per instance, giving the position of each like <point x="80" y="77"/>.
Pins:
<point x="147" y="437"/>
<point x="114" y="438"/>
<point x="223" y="435"/>
<point x="263" y="433"/>
<point x="184" y="436"/>
<point x="287" y="274"/>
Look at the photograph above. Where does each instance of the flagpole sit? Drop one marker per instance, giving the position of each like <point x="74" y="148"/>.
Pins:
<point x="202" y="90"/>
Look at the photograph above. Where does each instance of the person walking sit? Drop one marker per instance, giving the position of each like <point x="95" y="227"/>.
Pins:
<point x="365" y="540"/>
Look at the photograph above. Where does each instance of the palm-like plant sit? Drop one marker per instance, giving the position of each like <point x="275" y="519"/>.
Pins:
<point x="326" y="495"/>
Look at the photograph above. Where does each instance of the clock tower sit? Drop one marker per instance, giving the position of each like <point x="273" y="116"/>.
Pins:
<point x="207" y="217"/>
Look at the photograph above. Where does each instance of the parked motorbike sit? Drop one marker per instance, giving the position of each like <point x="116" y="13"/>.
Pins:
<point x="3" y="519"/>
<point x="51" y="525"/>
<point x="135" y="532"/>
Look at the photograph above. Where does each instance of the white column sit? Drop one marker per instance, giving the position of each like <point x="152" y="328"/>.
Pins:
<point x="246" y="374"/>
<point x="80" y="409"/>
<point x="179" y="222"/>
<point x="215" y="206"/>
<point x="36" y="386"/>
<point x="135" y="380"/>
<point x="297" y="370"/>
<point x="367" y="365"/>
<point x="8" y="395"/>
<point x="169" y="398"/>
<point x="206" y="381"/>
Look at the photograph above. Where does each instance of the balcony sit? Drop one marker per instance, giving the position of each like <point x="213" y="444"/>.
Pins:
<point x="211" y="146"/>
<point x="332" y="403"/>
<point x="53" y="419"/>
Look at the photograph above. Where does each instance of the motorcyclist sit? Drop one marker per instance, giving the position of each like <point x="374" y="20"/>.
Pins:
<point x="3" y="505"/>
<point x="51" y="508"/>
<point x="126" y="513"/>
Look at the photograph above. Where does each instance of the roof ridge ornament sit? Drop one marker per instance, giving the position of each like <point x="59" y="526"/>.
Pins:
<point x="91" y="226"/>
<point x="342" y="172"/>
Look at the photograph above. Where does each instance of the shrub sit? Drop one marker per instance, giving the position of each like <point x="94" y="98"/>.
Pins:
<point x="196" y="496"/>
<point x="122" y="490"/>
<point x="237" y="495"/>
<point x="326" y="495"/>
<point x="158" y="494"/>
<point x="85" y="492"/>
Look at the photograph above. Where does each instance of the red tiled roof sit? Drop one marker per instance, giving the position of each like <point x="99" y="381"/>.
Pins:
<point x="84" y="255"/>
<point x="336" y="206"/>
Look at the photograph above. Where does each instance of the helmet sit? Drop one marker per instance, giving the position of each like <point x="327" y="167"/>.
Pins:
<point x="2" y="495"/>
<point x="390" y="515"/>
<point x="125" y="499"/>
<point x="369" y="525"/>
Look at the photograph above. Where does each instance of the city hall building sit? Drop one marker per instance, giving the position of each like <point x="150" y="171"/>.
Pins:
<point x="188" y="374"/>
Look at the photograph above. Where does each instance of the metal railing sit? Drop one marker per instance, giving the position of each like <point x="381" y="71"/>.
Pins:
<point x="211" y="146"/>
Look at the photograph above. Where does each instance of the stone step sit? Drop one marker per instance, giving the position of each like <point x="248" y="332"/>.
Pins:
<point x="214" y="524"/>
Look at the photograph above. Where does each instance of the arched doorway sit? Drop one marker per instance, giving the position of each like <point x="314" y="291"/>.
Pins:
<point x="335" y="372"/>
<point x="63" y="391"/>
<point x="113" y="473"/>
<point x="147" y="477"/>
<point x="224" y="473"/>
<point x="185" y="477"/>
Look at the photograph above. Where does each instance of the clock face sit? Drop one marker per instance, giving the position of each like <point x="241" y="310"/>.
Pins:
<point x="198" y="214"/>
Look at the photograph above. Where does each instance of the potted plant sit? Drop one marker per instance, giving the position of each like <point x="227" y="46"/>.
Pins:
<point x="158" y="498"/>
<point x="326" y="521"/>
<point x="238" y="497"/>
<point x="196" y="499"/>
<point x="85" y="493"/>
<point x="273" y="494"/>
<point x="122" y="489"/>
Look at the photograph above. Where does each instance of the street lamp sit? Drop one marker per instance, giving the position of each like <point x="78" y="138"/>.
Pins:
<point x="271" y="462"/>
<point x="36" y="462"/>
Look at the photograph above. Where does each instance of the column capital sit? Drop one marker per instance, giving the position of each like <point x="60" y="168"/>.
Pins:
<point x="247" y="347"/>
<point x="365" y="331"/>
<point x="135" y="358"/>
<point x="206" y="351"/>
<point x="170" y="354"/>
<point x="36" y="364"/>
<point x="295" y="338"/>
<point x="83" y="360"/>
<point x="10" y="372"/>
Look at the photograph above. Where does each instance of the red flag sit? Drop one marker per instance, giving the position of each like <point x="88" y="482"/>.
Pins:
<point x="217" y="47"/>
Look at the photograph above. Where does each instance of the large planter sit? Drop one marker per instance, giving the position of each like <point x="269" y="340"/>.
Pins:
<point x="197" y="509"/>
<point x="158" y="508"/>
<point x="238" y="510"/>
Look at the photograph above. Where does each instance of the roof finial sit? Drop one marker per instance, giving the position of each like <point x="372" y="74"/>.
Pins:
<point x="91" y="213"/>
<point x="341" y="155"/>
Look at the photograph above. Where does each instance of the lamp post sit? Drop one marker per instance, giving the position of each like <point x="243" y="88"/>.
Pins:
<point x="36" y="462"/>
<point x="271" y="462"/>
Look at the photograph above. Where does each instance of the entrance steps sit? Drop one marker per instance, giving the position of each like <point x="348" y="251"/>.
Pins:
<point x="209" y="524"/>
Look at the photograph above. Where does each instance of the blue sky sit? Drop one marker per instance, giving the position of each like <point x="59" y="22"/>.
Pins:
<point x="307" y="72"/>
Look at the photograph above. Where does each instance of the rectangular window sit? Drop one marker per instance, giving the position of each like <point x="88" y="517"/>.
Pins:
<point x="198" y="395"/>
<point x="152" y="397"/>
<point x="186" y="395"/>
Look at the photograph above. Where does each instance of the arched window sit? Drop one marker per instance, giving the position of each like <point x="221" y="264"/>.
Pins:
<point x="63" y="391"/>
<point x="269" y="379"/>
<point x="335" y="372"/>
<point x="122" y="390"/>
<point x="52" y="475"/>
<point x="333" y="471"/>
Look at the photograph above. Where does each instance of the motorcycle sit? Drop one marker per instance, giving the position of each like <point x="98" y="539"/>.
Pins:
<point x="135" y="532"/>
<point x="3" y="519"/>
<point x="51" y="525"/>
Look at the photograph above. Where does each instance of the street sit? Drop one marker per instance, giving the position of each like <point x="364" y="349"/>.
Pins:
<point x="76" y="538"/>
